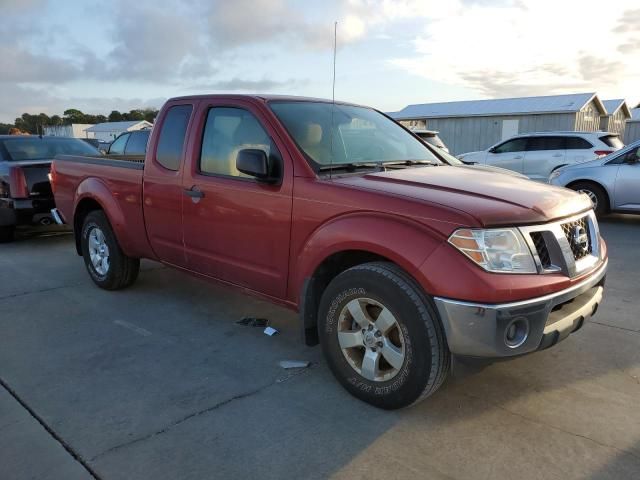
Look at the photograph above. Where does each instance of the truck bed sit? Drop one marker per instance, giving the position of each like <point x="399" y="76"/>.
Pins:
<point x="117" y="181"/>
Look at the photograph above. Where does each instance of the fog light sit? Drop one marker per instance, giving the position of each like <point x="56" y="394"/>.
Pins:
<point x="516" y="332"/>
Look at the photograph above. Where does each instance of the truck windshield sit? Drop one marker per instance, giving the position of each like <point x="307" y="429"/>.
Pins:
<point x="335" y="134"/>
<point x="45" y="148"/>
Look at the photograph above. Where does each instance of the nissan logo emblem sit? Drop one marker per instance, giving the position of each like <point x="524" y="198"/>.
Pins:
<point x="580" y="238"/>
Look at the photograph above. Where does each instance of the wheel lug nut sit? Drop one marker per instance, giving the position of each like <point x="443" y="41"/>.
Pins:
<point x="373" y="349"/>
<point x="370" y="327"/>
<point x="378" y="334"/>
<point x="379" y="344"/>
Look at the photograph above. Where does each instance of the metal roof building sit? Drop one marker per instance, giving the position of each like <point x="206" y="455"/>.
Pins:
<point x="632" y="132"/>
<point x="618" y="113"/>
<point x="477" y="124"/>
<point x="107" y="131"/>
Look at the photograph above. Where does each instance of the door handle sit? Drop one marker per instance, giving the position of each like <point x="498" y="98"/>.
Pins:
<point x="557" y="155"/>
<point x="519" y="157"/>
<point x="193" y="192"/>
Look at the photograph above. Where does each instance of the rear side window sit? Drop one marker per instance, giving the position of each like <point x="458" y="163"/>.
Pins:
<point x="545" y="143"/>
<point x="137" y="144"/>
<point x="172" y="135"/>
<point x="117" y="147"/>
<point x="612" y="141"/>
<point x="32" y="147"/>
<point x="577" y="143"/>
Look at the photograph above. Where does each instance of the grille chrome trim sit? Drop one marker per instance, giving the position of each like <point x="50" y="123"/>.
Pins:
<point x="561" y="255"/>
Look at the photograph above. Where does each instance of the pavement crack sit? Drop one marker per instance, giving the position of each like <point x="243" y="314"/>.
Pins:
<point x="615" y="326"/>
<point x="42" y="290"/>
<point x="186" y="418"/>
<point x="69" y="449"/>
<point x="555" y="427"/>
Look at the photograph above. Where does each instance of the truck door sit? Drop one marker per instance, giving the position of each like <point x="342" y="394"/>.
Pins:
<point x="162" y="190"/>
<point x="237" y="228"/>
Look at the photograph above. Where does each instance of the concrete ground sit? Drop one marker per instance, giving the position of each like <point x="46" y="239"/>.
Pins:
<point x="158" y="381"/>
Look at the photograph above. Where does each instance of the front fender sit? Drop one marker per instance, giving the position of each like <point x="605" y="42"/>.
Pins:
<point x="402" y="241"/>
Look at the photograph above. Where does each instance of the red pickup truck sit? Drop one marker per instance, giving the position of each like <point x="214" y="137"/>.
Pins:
<point x="394" y="260"/>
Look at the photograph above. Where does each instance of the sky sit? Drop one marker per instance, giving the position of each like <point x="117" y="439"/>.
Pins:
<point x="98" y="56"/>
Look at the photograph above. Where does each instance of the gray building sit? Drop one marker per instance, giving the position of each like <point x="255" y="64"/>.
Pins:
<point x="477" y="124"/>
<point x="632" y="132"/>
<point x="618" y="113"/>
<point x="108" y="131"/>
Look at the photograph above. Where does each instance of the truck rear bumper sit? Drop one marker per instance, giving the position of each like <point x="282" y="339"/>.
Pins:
<point x="510" y="329"/>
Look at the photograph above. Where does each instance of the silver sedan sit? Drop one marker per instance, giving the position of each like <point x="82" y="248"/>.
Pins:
<point x="612" y="182"/>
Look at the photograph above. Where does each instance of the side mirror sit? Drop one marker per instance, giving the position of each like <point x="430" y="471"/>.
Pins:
<point x="254" y="162"/>
<point x="633" y="156"/>
<point x="492" y="150"/>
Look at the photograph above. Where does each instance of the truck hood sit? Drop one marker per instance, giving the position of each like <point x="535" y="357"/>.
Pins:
<point x="493" y="199"/>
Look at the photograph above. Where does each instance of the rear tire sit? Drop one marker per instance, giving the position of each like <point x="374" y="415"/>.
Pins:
<point x="7" y="234"/>
<point x="597" y="195"/>
<point x="107" y="265"/>
<point x="391" y="352"/>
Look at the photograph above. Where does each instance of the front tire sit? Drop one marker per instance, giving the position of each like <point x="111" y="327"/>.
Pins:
<point x="596" y="194"/>
<point x="381" y="337"/>
<point x="107" y="265"/>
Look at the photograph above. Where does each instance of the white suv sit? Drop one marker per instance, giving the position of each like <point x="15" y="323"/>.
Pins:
<point x="536" y="155"/>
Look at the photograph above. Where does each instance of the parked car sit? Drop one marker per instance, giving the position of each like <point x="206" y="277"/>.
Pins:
<point x="536" y="155"/>
<point x="25" y="192"/>
<point x="431" y="137"/>
<point x="394" y="260"/>
<point x="449" y="159"/>
<point x="130" y="143"/>
<point x="612" y="183"/>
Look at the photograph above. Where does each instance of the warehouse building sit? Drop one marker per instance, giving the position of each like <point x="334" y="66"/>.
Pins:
<point x="476" y="125"/>
<point x="632" y="131"/>
<point x="75" y="130"/>
<point x="618" y="113"/>
<point x="107" y="131"/>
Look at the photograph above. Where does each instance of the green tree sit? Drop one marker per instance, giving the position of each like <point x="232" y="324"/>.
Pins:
<point x="115" y="116"/>
<point x="134" y="115"/>
<point x="5" y="127"/>
<point x="101" y="119"/>
<point x="73" y="115"/>
<point x="55" y="120"/>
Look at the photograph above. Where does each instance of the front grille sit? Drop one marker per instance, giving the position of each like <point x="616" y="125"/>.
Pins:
<point x="579" y="238"/>
<point x="541" y="248"/>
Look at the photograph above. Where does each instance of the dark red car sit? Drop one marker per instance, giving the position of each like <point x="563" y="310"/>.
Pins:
<point x="394" y="260"/>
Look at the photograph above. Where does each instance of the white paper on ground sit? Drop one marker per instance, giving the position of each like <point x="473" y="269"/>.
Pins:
<point x="270" y="331"/>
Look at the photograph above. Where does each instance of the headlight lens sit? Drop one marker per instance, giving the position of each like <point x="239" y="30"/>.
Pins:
<point x="495" y="250"/>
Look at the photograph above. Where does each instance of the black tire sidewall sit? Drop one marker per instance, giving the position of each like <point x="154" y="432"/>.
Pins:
<point x="98" y="220"/>
<point x="409" y="383"/>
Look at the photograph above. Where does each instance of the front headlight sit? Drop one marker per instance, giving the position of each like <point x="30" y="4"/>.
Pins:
<point x="555" y="174"/>
<point x="501" y="250"/>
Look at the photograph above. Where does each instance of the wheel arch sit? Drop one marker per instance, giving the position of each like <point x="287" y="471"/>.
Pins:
<point x="597" y="184"/>
<point x="404" y="243"/>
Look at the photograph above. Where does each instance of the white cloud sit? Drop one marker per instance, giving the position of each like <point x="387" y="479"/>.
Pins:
<point x="534" y="46"/>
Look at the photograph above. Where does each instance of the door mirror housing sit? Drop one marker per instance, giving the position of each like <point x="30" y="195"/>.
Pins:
<point x="632" y="156"/>
<point x="254" y="162"/>
<point x="492" y="150"/>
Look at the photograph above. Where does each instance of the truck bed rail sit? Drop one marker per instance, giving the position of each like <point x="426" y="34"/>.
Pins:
<point x="134" y="162"/>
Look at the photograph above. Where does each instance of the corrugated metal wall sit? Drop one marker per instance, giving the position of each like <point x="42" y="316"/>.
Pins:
<point x="614" y="123"/>
<point x="478" y="133"/>
<point x="588" y="119"/>
<point x="632" y="132"/>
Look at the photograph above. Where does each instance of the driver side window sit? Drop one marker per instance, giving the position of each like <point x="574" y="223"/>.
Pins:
<point x="515" y="145"/>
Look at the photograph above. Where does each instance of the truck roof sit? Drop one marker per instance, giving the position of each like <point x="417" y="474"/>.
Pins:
<point x="263" y="98"/>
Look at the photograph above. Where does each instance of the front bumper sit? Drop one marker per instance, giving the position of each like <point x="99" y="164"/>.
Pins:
<point x="510" y="329"/>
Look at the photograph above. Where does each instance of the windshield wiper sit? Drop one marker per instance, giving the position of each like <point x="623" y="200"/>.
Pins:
<point x="349" y="167"/>
<point x="410" y="163"/>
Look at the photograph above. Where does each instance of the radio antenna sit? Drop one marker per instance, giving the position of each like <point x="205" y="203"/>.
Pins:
<point x="333" y="92"/>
